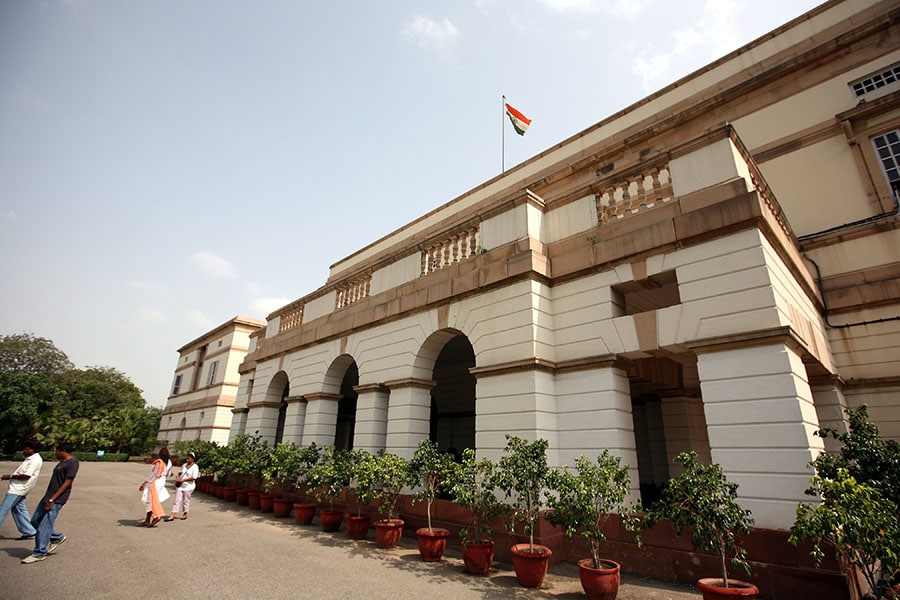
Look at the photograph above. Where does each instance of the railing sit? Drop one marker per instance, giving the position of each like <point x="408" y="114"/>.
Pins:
<point x="460" y="246"/>
<point x="353" y="291"/>
<point x="645" y="190"/>
<point x="291" y="318"/>
<point x="762" y="187"/>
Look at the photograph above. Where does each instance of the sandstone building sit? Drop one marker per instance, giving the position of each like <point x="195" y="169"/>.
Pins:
<point x="712" y="268"/>
<point x="206" y="382"/>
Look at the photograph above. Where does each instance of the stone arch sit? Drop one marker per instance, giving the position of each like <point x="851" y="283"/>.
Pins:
<point x="275" y="404"/>
<point x="339" y="383"/>
<point x="452" y="421"/>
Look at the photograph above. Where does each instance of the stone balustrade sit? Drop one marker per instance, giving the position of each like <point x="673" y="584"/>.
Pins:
<point x="291" y="316"/>
<point x="353" y="291"/>
<point x="642" y="191"/>
<point x="462" y="245"/>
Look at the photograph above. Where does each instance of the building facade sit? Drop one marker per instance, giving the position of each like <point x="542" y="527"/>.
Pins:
<point x="714" y="268"/>
<point x="205" y="383"/>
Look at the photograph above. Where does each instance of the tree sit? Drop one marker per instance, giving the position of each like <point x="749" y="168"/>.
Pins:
<point x="99" y="389"/>
<point x="26" y="353"/>
<point x="857" y="512"/>
<point x="24" y="397"/>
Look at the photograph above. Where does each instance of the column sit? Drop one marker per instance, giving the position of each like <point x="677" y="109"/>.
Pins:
<point x="263" y="419"/>
<point x="371" y="417"/>
<point x="594" y="413"/>
<point x="320" y="423"/>
<point x="831" y="406"/>
<point x="408" y="415"/>
<point x="685" y="429"/>
<point x="294" y="419"/>
<point x="761" y="421"/>
<point x="238" y="422"/>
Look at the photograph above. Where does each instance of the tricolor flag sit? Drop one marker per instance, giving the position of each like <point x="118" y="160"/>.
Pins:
<point x="519" y="121"/>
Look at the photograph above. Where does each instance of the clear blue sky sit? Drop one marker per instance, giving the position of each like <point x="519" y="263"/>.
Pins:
<point x="167" y="165"/>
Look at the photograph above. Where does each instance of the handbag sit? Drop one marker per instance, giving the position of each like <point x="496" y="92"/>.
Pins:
<point x="178" y="483"/>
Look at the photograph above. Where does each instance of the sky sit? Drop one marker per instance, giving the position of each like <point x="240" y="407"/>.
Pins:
<point x="168" y="165"/>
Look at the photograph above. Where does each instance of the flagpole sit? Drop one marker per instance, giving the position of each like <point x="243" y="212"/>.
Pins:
<point x="502" y="134"/>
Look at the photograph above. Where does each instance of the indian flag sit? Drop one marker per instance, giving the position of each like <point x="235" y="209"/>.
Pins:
<point x="519" y="121"/>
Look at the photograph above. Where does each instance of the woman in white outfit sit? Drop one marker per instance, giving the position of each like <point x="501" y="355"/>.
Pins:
<point x="184" y="485"/>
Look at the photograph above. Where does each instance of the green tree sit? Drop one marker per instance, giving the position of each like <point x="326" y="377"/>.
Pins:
<point x="24" y="397"/>
<point x="99" y="389"/>
<point x="26" y="353"/>
<point x="857" y="512"/>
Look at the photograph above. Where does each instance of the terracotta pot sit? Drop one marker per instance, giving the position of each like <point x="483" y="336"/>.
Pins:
<point x="266" y="503"/>
<point x="388" y="532"/>
<point x="530" y="567"/>
<point x="220" y="491"/>
<point x="283" y="508"/>
<point x="358" y="526"/>
<point x="330" y="520"/>
<point x="712" y="589"/>
<point x="230" y="493"/>
<point x="432" y="543"/>
<point x="602" y="583"/>
<point x="253" y="500"/>
<point x="242" y="497"/>
<point x="478" y="556"/>
<point x="304" y="513"/>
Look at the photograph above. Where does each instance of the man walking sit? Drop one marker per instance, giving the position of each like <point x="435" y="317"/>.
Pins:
<point x="20" y="483"/>
<point x="46" y="538"/>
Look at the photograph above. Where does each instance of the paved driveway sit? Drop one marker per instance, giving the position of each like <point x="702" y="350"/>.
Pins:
<point x="225" y="551"/>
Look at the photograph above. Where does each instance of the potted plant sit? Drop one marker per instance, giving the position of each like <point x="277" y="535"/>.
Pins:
<point x="524" y="477"/>
<point x="474" y="488"/>
<point x="362" y="468"/>
<point x="584" y="501"/>
<point x="299" y="474"/>
<point x="390" y="477"/>
<point x="279" y="476"/>
<point x="701" y="498"/>
<point x="431" y="470"/>
<point x="858" y="514"/>
<point x="328" y="478"/>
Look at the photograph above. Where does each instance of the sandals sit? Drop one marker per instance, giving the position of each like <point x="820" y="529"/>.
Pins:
<point x="169" y="519"/>
<point x="184" y="516"/>
<point x="154" y="522"/>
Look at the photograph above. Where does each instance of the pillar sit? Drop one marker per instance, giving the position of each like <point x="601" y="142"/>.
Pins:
<point x="294" y="419"/>
<point x="371" y="417"/>
<point x="408" y="415"/>
<point x="320" y="423"/>
<point x="761" y="421"/>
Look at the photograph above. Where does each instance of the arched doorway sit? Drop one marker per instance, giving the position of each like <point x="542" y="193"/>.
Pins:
<point x="276" y="396"/>
<point x="453" y="397"/>
<point x="346" y="414"/>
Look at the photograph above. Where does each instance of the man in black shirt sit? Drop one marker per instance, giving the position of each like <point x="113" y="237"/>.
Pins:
<point x="47" y="539"/>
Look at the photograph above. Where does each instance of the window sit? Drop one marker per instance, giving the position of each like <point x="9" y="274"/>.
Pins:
<point x="889" y="76"/>
<point x="177" y="386"/>
<point x="211" y="375"/>
<point x="887" y="147"/>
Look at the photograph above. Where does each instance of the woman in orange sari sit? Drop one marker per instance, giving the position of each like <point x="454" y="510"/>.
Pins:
<point x="153" y="490"/>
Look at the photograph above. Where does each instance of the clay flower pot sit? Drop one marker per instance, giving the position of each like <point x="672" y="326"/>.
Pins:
<point x="266" y="503"/>
<point x="602" y="583"/>
<point x="530" y="567"/>
<point x="242" y="497"/>
<point x="330" y="520"/>
<point x="388" y="532"/>
<point x="432" y="543"/>
<point x="358" y="526"/>
<point x="283" y="508"/>
<point x="253" y="500"/>
<point x="712" y="589"/>
<point x="304" y="513"/>
<point x="478" y="556"/>
<point x="230" y="493"/>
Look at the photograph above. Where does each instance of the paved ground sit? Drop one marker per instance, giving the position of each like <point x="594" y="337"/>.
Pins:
<point x="225" y="551"/>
